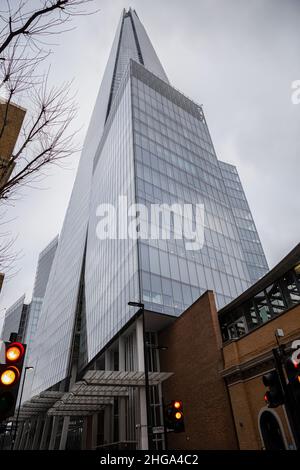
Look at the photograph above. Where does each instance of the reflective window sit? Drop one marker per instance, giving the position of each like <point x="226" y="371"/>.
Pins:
<point x="276" y="298"/>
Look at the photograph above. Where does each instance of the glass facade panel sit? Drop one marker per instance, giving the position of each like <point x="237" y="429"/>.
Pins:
<point x="12" y="319"/>
<point x="111" y="274"/>
<point x="176" y="163"/>
<point x="291" y="288"/>
<point x="41" y="279"/>
<point x="276" y="299"/>
<point x="273" y="300"/>
<point x="253" y="251"/>
<point x="150" y="143"/>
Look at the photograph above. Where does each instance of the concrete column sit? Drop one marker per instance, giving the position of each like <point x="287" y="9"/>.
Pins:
<point x="64" y="433"/>
<point x="91" y="431"/>
<point x="143" y="440"/>
<point x="66" y="421"/>
<point x="122" y="400"/>
<point x="24" y="435"/>
<point x="29" y="434"/>
<point x="37" y="433"/>
<point x="84" y="434"/>
<point x="47" y="423"/>
<point x="108" y="423"/>
<point x="55" y="424"/>
<point x="19" y="435"/>
<point x="94" y="430"/>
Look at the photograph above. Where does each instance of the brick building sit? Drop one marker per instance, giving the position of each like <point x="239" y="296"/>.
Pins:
<point x="212" y="361"/>
<point x="219" y="376"/>
<point x="11" y="120"/>
<point x="194" y="354"/>
<point x="249" y="324"/>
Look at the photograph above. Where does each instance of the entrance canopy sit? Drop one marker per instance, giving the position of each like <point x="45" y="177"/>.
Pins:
<point x="97" y="389"/>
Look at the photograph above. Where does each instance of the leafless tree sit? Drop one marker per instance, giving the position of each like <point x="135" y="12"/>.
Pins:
<point x="24" y="44"/>
<point x="27" y="28"/>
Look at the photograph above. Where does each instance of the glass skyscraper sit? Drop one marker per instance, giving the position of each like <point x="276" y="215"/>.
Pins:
<point x="149" y="143"/>
<point x="15" y="321"/>
<point x="45" y="261"/>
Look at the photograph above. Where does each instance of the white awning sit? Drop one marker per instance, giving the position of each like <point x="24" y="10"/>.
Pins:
<point x="97" y="389"/>
<point x="39" y="404"/>
<point x="124" y="378"/>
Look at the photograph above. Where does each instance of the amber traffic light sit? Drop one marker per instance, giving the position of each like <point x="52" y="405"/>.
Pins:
<point x="174" y="418"/>
<point x="10" y="375"/>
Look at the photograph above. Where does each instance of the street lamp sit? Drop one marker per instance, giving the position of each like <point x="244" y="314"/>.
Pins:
<point x="19" y="407"/>
<point x="141" y="306"/>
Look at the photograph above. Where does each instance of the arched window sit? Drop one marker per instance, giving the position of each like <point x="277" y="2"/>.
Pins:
<point x="271" y="431"/>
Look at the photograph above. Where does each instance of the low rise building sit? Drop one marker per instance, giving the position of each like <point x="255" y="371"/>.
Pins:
<point x="249" y="325"/>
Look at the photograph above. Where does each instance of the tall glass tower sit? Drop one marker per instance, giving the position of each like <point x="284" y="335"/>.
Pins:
<point x="15" y="321"/>
<point x="149" y="143"/>
<point x="45" y="261"/>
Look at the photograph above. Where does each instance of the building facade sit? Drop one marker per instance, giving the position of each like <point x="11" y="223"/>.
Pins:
<point x="45" y="261"/>
<point x="250" y="325"/>
<point x="215" y="367"/>
<point x="191" y="347"/>
<point x="147" y="145"/>
<point x="16" y="319"/>
<point x="11" y="120"/>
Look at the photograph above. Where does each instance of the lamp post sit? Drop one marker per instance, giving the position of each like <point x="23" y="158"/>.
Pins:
<point x="141" y="306"/>
<point x="19" y="407"/>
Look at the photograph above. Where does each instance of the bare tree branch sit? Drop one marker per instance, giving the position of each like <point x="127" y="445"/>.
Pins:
<point x="46" y="136"/>
<point x="39" y="21"/>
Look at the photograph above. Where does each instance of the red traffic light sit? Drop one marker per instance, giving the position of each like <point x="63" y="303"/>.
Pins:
<point x="266" y="398"/>
<point x="14" y="352"/>
<point x="275" y="395"/>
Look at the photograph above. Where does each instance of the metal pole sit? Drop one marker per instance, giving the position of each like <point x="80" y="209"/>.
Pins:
<point x="146" y="380"/>
<point x="19" y="407"/>
<point x="3" y="436"/>
<point x="165" y="427"/>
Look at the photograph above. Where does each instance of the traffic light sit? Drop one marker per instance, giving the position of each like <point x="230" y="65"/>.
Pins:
<point x="292" y="367"/>
<point x="274" y="396"/>
<point x="174" y="418"/>
<point x="10" y="375"/>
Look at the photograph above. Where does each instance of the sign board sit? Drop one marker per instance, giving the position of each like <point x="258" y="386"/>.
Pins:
<point x="158" y="430"/>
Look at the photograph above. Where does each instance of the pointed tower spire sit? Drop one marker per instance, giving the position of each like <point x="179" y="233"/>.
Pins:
<point x="133" y="43"/>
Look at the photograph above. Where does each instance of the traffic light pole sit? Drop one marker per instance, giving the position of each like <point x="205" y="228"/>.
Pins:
<point x="19" y="407"/>
<point x="290" y="404"/>
<point x="147" y="388"/>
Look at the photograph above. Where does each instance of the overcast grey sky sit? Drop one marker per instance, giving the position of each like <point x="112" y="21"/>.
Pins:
<point x="236" y="57"/>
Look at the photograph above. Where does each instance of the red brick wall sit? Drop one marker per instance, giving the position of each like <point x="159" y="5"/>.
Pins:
<point x="12" y="128"/>
<point x="247" y="397"/>
<point x="194" y="355"/>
